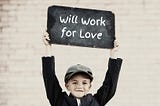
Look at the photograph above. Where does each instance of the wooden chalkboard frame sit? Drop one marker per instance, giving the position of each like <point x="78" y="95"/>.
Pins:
<point x="83" y="27"/>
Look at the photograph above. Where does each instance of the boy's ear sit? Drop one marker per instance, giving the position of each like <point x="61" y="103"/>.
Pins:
<point x="90" y="86"/>
<point x="66" y="85"/>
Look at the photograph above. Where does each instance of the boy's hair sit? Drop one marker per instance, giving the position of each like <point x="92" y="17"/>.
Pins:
<point x="76" y="69"/>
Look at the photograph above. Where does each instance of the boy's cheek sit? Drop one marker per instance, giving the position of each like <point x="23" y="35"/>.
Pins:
<point x="68" y="88"/>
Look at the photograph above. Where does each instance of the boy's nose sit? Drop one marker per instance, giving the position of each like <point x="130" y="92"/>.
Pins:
<point x="79" y="85"/>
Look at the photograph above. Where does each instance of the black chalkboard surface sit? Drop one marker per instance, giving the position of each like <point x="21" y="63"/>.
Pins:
<point x="81" y="27"/>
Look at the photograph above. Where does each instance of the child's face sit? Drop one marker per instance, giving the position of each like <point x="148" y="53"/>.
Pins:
<point x="79" y="85"/>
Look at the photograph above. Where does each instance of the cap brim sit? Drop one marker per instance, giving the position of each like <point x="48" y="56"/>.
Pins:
<point x="78" y="72"/>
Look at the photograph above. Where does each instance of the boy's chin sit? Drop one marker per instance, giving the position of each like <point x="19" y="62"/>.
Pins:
<point x="78" y="95"/>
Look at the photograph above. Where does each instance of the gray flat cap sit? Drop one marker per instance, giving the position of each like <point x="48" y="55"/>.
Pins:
<point x="77" y="69"/>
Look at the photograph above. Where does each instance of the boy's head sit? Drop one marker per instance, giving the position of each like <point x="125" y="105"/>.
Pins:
<point x="78" y="80"/>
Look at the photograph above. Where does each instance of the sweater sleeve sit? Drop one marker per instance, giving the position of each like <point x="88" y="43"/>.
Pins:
<point x="107" y="90"/>
<point x="51" y="83"/>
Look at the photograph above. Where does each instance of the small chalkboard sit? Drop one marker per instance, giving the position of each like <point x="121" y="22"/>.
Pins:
<point x="81" y="27"/>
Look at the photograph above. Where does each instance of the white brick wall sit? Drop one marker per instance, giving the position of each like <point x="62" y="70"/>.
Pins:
<point x="137" y="27"/>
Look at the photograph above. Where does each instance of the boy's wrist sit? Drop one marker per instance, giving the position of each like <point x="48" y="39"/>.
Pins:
<point x="48" y="50"/>
<point x="113" y="55"/>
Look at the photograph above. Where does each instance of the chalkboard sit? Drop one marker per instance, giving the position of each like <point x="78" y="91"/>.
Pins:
<point x="81" y="27"/>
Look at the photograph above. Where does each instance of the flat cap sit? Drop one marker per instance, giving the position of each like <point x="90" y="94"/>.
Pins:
<point x="75" y="69"/>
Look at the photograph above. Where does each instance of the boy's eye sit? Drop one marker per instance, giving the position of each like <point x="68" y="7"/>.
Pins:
<point x="84" y="83"/>
<point x="74" y="82"/>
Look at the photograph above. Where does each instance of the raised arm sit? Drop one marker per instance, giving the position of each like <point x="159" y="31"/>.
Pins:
<point x="107" y="90"/>
<point x="52" y="86"/>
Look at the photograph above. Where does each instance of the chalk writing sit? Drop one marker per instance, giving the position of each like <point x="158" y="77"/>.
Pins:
<point x="90" y="35"/>
<point x="84" y="35"/>
<point x="92" y="21"/>
<point x="67" y="33"/>
<point x="69" y="19"/>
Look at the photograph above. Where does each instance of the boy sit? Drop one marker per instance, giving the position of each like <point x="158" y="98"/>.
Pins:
<point x="78" y="80"/>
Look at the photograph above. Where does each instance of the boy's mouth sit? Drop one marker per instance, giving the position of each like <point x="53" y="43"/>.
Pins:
<point x="79" y="90"/>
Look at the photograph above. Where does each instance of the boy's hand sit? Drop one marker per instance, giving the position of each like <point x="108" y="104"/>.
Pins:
<point x="114" y="50"/>
<point x="46" y="41"/>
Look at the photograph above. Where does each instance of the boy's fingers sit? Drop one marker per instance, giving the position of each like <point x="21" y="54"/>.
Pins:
<point x="116" y="44"/>
<point x="46" y="36"/>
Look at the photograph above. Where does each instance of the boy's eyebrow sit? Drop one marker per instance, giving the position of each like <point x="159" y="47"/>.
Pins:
<point x="74" y="80"/>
